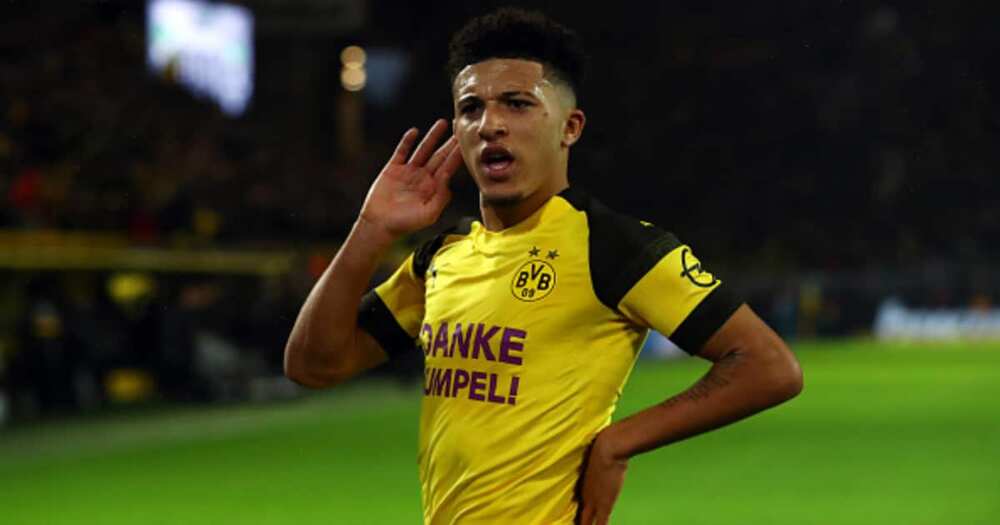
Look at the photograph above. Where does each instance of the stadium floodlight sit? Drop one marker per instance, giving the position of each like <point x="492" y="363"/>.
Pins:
<point x="206" y="46"/>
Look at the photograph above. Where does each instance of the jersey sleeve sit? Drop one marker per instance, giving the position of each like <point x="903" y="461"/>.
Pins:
<point x="680" y="299"/>
<point x="393" y="311"/>
<point x="652" y="279"/>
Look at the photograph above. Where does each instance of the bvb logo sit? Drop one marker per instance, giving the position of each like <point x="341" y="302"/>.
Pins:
<point x="533" y="281"/>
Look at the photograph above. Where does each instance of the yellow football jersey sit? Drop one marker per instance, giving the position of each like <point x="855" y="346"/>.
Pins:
<point x="529" y="335"/>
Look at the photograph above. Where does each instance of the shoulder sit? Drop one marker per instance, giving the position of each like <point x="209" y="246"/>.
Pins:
<point x="423" y="255"/>
<point x="622" y="249"/>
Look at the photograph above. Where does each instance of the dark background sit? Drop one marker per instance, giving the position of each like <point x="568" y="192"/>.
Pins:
<point x="821" y="155"/>
<point x="822" y="136"/>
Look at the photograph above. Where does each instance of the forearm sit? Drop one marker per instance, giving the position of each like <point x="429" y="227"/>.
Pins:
<point x="738" y="385"/>
<point x="409" y="194"/>
<point x="322" y="344"/>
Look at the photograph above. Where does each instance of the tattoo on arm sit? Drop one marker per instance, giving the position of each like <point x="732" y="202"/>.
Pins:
<point x="717" y="377"/>
<point x="646" y="428"/>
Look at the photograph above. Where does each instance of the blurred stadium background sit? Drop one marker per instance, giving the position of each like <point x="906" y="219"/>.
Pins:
<point x="175" y="174"/>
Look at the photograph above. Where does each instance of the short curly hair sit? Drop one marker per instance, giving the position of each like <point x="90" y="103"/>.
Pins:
<point x="516" y="33"/>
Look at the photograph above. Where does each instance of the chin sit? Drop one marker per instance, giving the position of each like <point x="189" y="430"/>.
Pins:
<point x="501" y="198"/>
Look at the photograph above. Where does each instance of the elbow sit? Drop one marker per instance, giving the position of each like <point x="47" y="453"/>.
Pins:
<point x="307" y="380"/>
<point x="303" y="373"/>
<point x="785" y="376"/>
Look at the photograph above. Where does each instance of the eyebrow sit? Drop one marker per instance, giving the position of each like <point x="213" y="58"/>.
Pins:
<point x="503" y="95"/>
<point x="508" y="94"/>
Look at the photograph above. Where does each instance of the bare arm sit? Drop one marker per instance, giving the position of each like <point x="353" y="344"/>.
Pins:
<point x="326" y="346"/>
<point x="752" y="370"/>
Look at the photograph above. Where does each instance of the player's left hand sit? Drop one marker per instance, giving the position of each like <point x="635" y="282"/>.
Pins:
<point x="603" y="477"/>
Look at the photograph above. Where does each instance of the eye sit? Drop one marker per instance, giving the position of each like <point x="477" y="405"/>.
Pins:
<point x="468" y="108"/>
<point x="519" y="104"/>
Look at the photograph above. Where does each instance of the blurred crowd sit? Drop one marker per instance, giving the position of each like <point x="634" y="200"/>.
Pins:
<point x="817" y="150"/>
<point x="850" y="138"/>
<point x="91" y="140"/>
<point x="88" y="340"/>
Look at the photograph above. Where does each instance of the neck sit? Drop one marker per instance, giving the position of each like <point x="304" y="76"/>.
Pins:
<point x="500" y="216"/>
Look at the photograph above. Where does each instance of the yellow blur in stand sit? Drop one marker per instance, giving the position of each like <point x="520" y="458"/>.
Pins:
<point x="129" y="385"/>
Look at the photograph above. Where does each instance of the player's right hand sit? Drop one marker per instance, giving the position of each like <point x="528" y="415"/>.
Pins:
<point x="412" y="190"/>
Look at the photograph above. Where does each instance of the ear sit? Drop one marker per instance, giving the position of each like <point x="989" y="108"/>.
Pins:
<point x="573" y="128"/>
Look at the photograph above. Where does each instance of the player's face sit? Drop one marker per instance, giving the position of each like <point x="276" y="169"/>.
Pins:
<point x="510" y="123"/>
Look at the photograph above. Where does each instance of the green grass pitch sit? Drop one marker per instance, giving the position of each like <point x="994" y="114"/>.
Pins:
<point x="882" y="434"/>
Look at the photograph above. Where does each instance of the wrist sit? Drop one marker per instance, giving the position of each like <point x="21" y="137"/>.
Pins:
<point x="611" y="446"/>
<point x="373" y="234"/>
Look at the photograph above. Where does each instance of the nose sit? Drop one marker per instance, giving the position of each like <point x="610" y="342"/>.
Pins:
<point x="492" y="124"/>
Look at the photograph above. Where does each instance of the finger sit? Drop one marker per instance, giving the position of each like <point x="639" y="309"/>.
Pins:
<point x="430" y="141"/>
<point x="405" y="146"/>
<point x="441" y="154"/>
<point x="450" y="165"/>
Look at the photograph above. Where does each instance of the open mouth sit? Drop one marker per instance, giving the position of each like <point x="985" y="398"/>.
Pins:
<point x="497" y="160"/>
